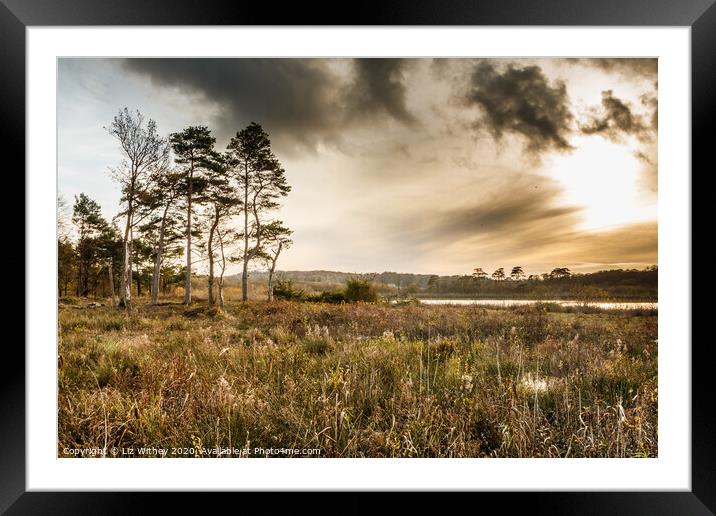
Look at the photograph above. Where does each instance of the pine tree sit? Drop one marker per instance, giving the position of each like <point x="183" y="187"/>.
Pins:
<point x="194" y="151"/>
<point x="222" y="201"/>
<point x="261" y="182"/>
<point x="87" y="218"/>
<point x="277" y="237"/>
<point x="162" y="227"/>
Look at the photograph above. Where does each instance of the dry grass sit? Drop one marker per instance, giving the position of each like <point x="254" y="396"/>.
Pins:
<point x="360" y="380"/>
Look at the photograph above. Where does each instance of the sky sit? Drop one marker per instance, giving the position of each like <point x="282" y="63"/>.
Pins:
<point x="409" y="165"/>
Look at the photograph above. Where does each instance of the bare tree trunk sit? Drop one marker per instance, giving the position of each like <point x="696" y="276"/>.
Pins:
<point x="257" y="222"/>
<point x="79" y="280"/>
<point x="157" y="270"/>
<point x="272" y="270"/>
<point x="187" y="279"/>
<point x="158" y="258"/>
<point x="125" y="292"/>
<point x="210" y="249"/>
<point x="111" y="283"/>
<point x="245" y="280"/>
<point x="131" y="255"/>
<point x="223" y="268"/>
<point x="245" y="272"/>
<point x="270" y="285"/>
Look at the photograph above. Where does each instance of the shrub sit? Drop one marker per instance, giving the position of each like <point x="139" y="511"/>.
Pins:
<point x="360" y="290"/>
<point x="285" y="290"/>
<point x="355" y="291"/>
<point x="329" y="297"/>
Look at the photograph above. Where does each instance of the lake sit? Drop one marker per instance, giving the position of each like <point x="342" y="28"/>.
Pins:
<point x="606" y="305"/>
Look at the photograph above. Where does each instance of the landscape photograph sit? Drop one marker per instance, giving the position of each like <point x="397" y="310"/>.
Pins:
<point x="357" y="257"/>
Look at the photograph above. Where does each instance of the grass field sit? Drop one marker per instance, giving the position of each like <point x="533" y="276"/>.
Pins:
<point x="358" y="380"/>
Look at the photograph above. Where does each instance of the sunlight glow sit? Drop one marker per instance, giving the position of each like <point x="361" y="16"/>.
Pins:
<point x="603" y="178"/>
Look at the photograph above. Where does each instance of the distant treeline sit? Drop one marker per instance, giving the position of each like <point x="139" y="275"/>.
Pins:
<point x="616" y="284"/>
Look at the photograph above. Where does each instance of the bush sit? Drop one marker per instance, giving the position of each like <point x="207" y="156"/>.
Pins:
<point x="360" y="290"/>
<point x="285" y="290"/>
<point x="356" y="290"/>
<point x="329" y="297"/>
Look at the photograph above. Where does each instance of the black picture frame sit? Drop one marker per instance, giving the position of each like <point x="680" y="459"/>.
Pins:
<point x="699" y="15"/>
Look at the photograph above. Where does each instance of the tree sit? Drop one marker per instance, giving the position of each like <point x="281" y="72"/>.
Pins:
<point x="194" y="149"/>
<point x="162" y="228"/>
<point x="172" y="275"/>
<point x="261" y="182"/>
<point x="226" y="238"/>
<point x="560" y="272"/>
<point x="144" y="151"/>
<point x="517" y="273"/>
<point x="269" y="185"/>
<point x="63" y="219"/>
<point x="277" y="237"/>
<point x="142" y="260"/>
<point x="87" y="218"/>
<point x="222" y="200"/>
<point x="66" y="258"/>
<point x="499" y="274"/>
<point x="66" y="262"/>
<point x="433" y="282"/>
<point x="99" y="249"/>
<point x="110" y="251"/>
<point x="479" y="273"/>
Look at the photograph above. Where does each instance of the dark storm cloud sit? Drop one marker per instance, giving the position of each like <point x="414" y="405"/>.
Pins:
<point x="378" y="88"/>
<point x="521" y="100"/>
<point x="298" y="101"/>
<point x="626" y="66"/>
<point x="615" y="119"/>
<point x="290" y="97"/>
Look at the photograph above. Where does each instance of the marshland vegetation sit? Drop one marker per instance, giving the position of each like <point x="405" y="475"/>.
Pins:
<point x="359" y="379"/>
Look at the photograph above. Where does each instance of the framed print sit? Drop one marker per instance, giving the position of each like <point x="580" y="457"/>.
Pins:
<point x="421" y="250"/>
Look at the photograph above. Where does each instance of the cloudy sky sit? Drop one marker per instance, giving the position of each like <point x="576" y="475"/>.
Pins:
<point x="408" y="165"/>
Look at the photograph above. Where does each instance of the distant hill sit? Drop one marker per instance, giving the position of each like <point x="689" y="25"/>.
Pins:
<point x="611" y="284"/>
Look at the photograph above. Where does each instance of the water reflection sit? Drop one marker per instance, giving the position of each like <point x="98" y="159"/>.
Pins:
<point x="606" y="305"/>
